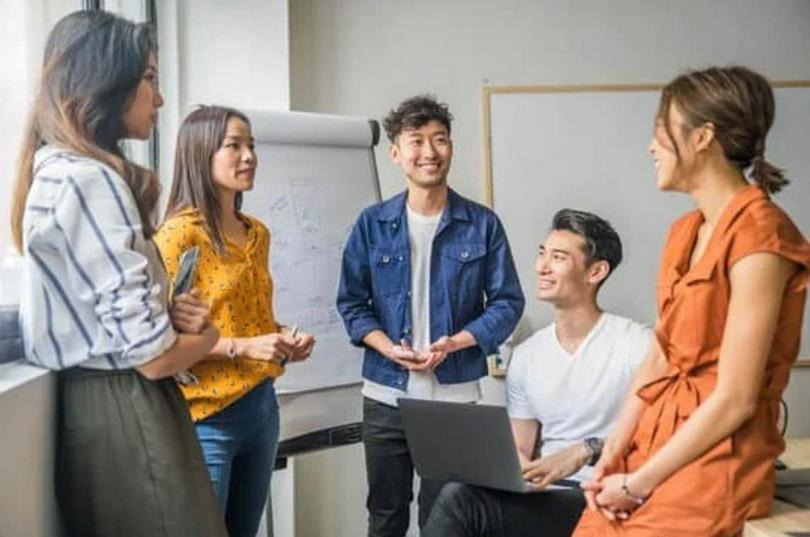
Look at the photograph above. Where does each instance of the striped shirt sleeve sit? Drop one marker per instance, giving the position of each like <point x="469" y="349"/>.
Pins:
<point x="108" y="264"/>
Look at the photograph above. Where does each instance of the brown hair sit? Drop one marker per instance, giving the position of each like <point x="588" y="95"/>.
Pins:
<point x="92" y="66"/>
<point x="739" y="104"/>
<point x="200" y="136"/>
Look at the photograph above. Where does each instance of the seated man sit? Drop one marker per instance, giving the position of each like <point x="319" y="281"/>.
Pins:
<point x="568" y="380"/>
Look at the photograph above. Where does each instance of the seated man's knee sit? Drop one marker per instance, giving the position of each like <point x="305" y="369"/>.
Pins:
<point x="455" y="494"/>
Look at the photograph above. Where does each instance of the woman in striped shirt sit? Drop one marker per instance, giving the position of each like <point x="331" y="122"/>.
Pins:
<point x="94" y="300"/>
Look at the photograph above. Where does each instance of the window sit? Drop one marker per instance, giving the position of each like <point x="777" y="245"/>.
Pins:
<point x="24" y="26"/>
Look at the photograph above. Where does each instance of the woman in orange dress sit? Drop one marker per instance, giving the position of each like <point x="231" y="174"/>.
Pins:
<point x="693" y="449"/>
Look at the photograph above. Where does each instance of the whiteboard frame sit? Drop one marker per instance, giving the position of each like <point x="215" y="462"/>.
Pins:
<point x="490" y="90"/>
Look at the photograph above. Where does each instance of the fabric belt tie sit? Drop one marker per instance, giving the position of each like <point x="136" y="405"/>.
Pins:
<point x="674" y="397"/>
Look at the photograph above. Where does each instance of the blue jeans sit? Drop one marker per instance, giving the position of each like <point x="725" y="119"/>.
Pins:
<point x="239" y="445"/>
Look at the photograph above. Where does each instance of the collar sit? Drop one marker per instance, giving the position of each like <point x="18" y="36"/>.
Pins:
<point x="456" y="208"/>
<point x="189" y="212"/>
<point x="193" y="216"/>
<point x="742" y="199"/>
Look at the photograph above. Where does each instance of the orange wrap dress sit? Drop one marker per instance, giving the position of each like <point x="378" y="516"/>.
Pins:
<point x="732" y="481"/>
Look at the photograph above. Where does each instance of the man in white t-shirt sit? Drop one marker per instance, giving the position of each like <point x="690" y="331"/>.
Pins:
<point x="428" y="287"/>
<point x="565" y="387"/>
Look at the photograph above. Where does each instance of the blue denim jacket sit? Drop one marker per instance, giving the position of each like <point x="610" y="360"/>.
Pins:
<point x="473" y="286"/>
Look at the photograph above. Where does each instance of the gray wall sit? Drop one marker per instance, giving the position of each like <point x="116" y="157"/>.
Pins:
<point x="219" y="53"/>
<point x="364" y="56"/>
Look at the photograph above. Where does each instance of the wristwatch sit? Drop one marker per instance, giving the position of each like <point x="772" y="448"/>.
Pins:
<point x="594" y="446"/>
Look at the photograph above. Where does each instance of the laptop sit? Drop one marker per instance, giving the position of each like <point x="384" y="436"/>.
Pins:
<point x="464" y="442"/>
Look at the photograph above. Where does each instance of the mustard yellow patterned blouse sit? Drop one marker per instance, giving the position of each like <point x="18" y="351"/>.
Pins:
<point x="239" y="290"/>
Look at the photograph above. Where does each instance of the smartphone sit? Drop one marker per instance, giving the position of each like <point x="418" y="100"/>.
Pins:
<point x="185" y="273"/>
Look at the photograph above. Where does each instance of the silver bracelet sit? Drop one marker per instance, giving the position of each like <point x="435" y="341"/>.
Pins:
<point x="638" y="500"/>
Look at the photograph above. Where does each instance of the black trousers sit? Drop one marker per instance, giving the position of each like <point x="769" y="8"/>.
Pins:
<point x="389" y="470"/>
<point x="470" y="511"/>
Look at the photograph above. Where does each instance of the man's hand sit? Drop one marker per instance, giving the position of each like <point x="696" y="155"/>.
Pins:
<point x="407" y="357"/>
<point x="540" y="473"/>
<point x="438" y="351"/>
<point x="609" y="463"/>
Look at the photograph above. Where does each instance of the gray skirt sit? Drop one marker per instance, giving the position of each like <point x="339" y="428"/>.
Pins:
<point x="128" y="462"/>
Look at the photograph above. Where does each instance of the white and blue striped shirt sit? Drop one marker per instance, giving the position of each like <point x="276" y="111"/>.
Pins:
<point x="94" y="292"/>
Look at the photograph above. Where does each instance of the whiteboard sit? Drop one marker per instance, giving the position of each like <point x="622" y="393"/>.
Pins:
<point x="586" y="148"/>
<point x="315" y="174"/>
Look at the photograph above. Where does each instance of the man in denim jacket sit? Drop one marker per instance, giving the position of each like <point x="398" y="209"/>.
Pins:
<point x="429" y="288"/>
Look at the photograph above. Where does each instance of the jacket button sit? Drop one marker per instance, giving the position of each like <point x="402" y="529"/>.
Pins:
<point x="386" y="259"/>
<point x="465" y="254"/>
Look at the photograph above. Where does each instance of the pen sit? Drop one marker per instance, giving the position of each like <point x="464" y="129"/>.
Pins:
<point x="293" y="333"/>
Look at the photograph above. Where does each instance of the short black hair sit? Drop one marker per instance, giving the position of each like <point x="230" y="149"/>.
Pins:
<point x="602" y="243"/>
<point x="414" y="113"/>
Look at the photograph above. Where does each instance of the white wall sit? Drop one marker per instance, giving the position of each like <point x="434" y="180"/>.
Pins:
<point x="233" y="53"/>
<point x="330" y="493"/>
<point x="364" y="56"/>
<point x="23" y="29"/>
<point x="210" y="52"/>
<point x="27" y="501"/>
<point x="797" y="397"/>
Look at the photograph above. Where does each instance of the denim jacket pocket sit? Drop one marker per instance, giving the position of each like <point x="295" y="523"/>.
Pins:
<point x="389" y="274"/>
<point x="464" y="267"/>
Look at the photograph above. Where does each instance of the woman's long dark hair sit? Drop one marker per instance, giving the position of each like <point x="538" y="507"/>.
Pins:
<point x="199" y="137"/>
<point x="92" y="66"/>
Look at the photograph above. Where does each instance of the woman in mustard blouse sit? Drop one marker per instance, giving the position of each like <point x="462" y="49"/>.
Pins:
<point x="233" y="403"/>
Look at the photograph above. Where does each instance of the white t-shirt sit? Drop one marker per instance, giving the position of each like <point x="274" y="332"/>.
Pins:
<point x="575" y="396"/>
<point x="422" y="385"/>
